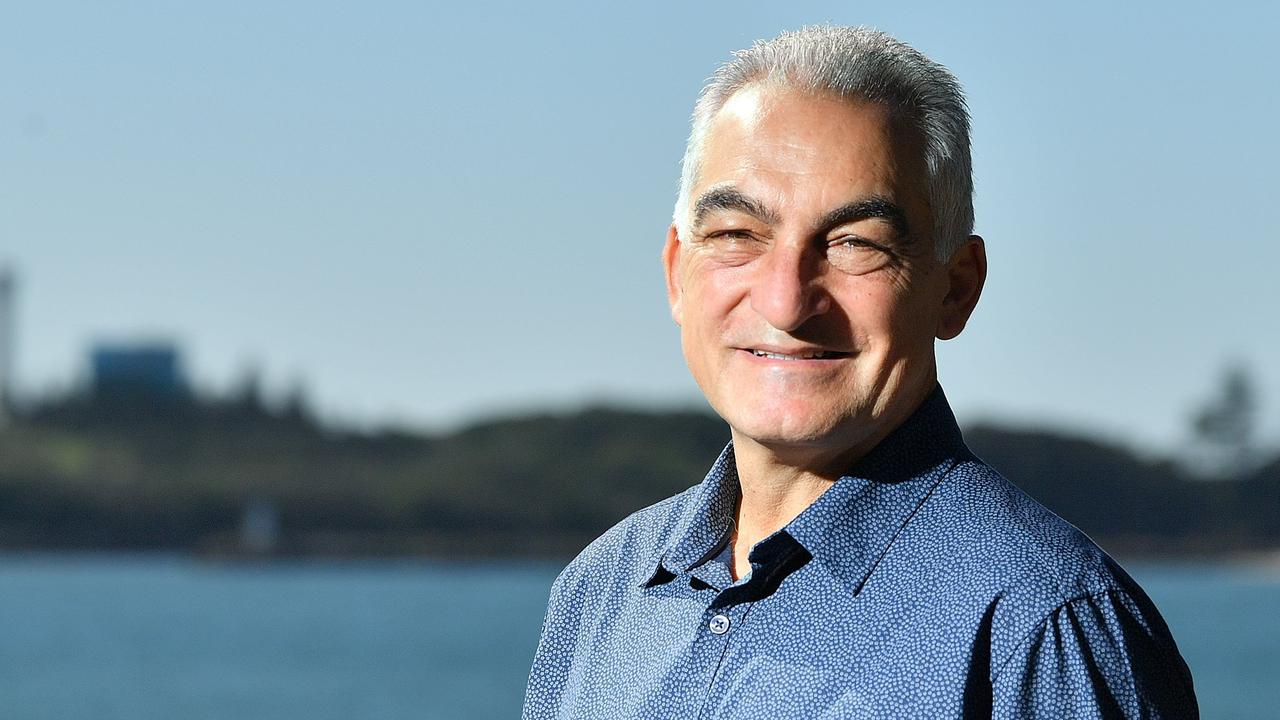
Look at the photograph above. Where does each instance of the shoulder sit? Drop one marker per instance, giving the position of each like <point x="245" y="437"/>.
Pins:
<point x="1110" y="649"/>
<point x="1013" y="542"/>
<point x="626" y="553"/>
<point x="1049" y="589"/>
<point x="1002" y="551"/>
<point x="601" y="577"/>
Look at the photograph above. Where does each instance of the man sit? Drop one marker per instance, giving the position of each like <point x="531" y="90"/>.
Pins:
<point x="846" y="556"/>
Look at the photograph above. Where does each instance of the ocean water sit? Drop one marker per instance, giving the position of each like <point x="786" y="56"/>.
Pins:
<point x="151" y="637"/>
<point x="1226" y="621"/>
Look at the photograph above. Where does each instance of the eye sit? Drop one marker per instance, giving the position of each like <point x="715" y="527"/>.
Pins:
<point x="731" y="236"/>
<point x="732" y="246"/>
<point x="857" y="255"/>
<point x="732" y="240"/>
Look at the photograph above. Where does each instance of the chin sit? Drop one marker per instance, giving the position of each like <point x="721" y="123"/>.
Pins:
<point x="791" y="427"/>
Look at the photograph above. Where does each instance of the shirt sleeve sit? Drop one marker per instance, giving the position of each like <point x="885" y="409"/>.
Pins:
<point x="552" y="659"/>
<point x="1106" y="655"/>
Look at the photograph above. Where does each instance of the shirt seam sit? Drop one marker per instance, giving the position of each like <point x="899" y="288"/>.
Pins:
<point x="1045" y="619"/>
<point x="884" y="552"/>
<point x="717" y="671"/>
<point x="1064" y="586"/>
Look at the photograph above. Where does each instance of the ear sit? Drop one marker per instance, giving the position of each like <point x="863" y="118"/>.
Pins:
<point x="671" y="266"/>
<point x="966" y="274"/>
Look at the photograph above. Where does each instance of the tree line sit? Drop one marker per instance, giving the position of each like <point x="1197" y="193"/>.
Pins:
<point x="94" y="473"/>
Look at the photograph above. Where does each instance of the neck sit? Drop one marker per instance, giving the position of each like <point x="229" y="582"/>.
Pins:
<point x="774" y="492"/>
<point x="780" y="482"/>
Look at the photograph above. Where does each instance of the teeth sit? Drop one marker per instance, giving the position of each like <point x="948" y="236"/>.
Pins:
<point x="778" y="356"/>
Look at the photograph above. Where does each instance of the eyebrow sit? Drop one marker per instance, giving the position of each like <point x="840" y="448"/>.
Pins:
<point x="872" y="207"/>
<point x="728" y="198"/>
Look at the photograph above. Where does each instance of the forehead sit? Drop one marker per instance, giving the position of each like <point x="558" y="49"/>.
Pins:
<point x="765" y="106"/>
<point x="790" y="146"/>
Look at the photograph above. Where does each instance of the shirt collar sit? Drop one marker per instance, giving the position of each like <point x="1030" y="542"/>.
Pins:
<point x="854" y="523"/>
<point x="707" y="522"/>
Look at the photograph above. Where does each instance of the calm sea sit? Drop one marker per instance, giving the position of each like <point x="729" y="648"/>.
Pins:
<point x="150" y="638"/>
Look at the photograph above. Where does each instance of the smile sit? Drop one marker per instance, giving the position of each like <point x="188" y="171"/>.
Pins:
<point x="814" y="355"/>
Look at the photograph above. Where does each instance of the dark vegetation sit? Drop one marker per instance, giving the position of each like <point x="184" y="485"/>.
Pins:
<point x="111" y="473"/>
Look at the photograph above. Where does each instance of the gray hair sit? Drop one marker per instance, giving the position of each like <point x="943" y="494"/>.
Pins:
<point x="856" y="63"/>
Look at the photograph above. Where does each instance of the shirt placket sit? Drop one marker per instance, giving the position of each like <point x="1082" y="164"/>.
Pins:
<point x="719" y="628"/>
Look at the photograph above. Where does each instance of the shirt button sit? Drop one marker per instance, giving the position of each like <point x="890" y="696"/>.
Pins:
<point x="719" y="624"/>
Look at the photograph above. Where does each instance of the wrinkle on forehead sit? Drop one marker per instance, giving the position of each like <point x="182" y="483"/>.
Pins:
<point x="751" y="115"/>
<point x="885" y="148"/>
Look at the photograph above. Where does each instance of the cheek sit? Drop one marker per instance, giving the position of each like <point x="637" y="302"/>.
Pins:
<point x="874" y="312"/>
<point x="700" y="327"/>
<point x="914" y="326"/>
<point x="710" y="297"/>
<point x="885" y="319"/>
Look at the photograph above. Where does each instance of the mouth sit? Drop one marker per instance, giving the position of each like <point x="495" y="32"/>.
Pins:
<point x="797" y="355"/>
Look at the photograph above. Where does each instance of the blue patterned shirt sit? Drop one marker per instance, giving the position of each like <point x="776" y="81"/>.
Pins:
<point x="921" y="585"/>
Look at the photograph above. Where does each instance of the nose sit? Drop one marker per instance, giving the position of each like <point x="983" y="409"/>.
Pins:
<point x="785" y="289"/>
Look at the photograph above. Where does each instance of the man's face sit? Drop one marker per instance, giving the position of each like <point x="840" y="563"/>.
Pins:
<point x="808" y="292"/>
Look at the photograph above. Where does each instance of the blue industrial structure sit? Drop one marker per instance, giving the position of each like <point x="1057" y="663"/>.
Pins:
<point x="151" y="371"/>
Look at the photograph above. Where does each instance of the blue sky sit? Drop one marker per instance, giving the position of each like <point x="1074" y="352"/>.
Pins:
<point x="429" y="214"/>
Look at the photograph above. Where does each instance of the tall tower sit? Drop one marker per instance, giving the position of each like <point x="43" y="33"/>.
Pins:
<point x="7" y="282"/>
